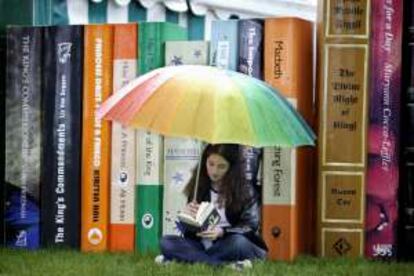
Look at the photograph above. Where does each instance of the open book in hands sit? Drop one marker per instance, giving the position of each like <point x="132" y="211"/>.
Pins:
<point x="207" y="216"/>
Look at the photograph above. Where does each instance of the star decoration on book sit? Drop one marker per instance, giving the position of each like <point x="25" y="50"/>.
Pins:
<point x="197" y="53"/>
<point x="176" y="60"/>
<point x="178" y="178"/>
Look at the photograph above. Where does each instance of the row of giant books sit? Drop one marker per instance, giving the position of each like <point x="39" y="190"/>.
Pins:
<point x="130" y="182"/>
<point x="58" y="171"/>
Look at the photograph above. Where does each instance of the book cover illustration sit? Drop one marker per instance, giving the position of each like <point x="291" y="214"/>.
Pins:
<point x="383" y="130"/>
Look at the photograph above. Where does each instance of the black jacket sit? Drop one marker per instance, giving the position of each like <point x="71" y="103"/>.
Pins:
<point x="245" y="222"/>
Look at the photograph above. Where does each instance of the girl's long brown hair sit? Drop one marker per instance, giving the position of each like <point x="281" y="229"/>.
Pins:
<point x="233" y="190"/>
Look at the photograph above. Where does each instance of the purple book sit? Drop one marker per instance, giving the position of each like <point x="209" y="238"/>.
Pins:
<point x="383" y="131"/>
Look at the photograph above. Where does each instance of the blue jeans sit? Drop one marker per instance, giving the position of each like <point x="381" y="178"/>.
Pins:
<point x="230" y="248"/>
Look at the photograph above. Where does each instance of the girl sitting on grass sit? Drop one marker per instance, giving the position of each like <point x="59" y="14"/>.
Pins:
<point x="234" y="239"/>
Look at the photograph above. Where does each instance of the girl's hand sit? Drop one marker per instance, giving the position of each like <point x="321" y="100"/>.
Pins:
<point x="212" y="234"/>
<point x="192" y="208"/>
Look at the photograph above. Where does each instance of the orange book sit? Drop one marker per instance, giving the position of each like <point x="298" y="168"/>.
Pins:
<point x="287" y="173"/>
<point x="96" y="137"/>
<point x="122" y="218"/>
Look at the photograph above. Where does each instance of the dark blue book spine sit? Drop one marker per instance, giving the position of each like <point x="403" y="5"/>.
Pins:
<point x="251" y="48"/>
<point x="23" y="137"/>
<point x="250" y="62"/>
<point x="2" y="128"/>
<point x="62" y="88"/>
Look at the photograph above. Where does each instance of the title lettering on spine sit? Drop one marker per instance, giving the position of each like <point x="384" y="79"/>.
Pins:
<point x="97" y="129"/>
<point x="27" y="114"/>
<point x="63" y="54"/>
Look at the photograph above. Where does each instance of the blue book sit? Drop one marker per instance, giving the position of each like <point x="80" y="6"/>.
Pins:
<point x="224" y="44"/>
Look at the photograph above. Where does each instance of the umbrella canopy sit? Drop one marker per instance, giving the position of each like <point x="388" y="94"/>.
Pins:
<point x="210" y="104"/>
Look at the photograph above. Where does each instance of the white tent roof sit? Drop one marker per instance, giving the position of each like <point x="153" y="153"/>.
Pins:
<point x="223" y="9"/>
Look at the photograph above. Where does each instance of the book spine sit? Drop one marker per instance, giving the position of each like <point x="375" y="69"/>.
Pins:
<point x="343" y="39"/>
<point x="151" y="38"/>
<point x="23" y="137"/>
<point x="406" y="221"/>
<point x="230" y="49"/>
<point x="148" y="196"/>
<point x="60" y="178"/>
<point x="186" y="52"/>
<point x="223" y="47"/>
<point x="97" y="85"/>
<point x="180" y="159"/>
<point x="122" y="220"/>
<point x="149" y="191"/>
<point x="383" y="130"/>
<point x="250" y="62"/>
<point x="287" y="185"/>
<point x="180" y="155"/>
<point x="2" y="133"/>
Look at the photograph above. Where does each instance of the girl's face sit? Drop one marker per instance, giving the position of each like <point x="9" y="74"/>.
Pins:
<point x="217" y="167"/>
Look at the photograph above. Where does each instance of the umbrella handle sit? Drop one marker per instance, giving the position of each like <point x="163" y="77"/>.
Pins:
<point x="202" y="148"/>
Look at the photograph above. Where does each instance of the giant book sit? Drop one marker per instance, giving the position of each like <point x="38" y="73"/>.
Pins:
<point x="250" y="62"/>
<point x="62" y="111"/>
<point x="122" y="219"/>
<point x="17" y="12"/>
<point x="2" y="133"/>
<point x="343" y="51"/>
<point x="180" y="154"/>
<point x="224" y="50"/>
<point x="406" y="189"/>
<point x="149" y="192"/>
<point x="383" y="129"/>
<point x="97" y="86"/>
<point x="23" y="136"/>
<point x="287" y="173"/>
<point x="230" y="50"/>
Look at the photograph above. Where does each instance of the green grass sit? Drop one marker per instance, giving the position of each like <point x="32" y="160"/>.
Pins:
<point x="65" y="262"/>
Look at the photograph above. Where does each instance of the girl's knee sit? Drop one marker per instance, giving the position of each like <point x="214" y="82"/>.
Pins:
<point x="240" y="242"/>
<point x="246" y="249"/>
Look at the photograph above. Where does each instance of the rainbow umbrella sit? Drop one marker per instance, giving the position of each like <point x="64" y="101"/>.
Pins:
<point x="210" y="104"/>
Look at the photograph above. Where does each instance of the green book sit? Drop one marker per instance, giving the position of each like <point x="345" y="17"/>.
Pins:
<point x="149" y="194"/>
<point x="151" y="39"/>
